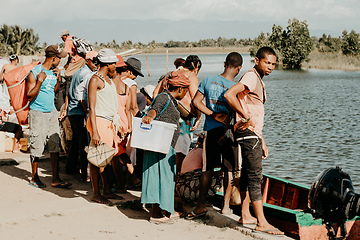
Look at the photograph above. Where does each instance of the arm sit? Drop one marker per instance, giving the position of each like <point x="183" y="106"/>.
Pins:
<point x="231" y="98"/>
<point x="199" y="104"/>
<point x="193" y="88"/>
<point x="128" y="113"/>
<point x="133" y="105"/>
<point x="93" y="86"/>
<point x="33" y="86"/>
<point x="158" y="89"/>
<point x="149" y="116"/>
<point x="63" y="114"/>
<point x="265" y="150"/>
<point x="57" y="73"/>
<point x="2" y="73"/>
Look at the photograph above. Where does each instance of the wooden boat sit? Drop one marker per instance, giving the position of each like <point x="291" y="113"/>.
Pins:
<point x="285" y="207"/>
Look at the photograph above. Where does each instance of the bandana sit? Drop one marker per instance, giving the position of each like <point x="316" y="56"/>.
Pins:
<point x="178" y="80"/>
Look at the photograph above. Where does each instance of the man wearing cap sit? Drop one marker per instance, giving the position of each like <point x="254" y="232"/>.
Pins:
<point x="42" y="83"/>
<point x="76" y="111"/>
<point x="133" y="70"/>
<point x="103" y="121"/>
<point x="75" y="62"/>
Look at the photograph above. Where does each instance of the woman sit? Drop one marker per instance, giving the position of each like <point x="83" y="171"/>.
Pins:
<point x="159" y="169"/>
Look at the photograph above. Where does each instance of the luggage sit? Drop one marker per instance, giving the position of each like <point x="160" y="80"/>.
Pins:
<point x="16" y="83"/>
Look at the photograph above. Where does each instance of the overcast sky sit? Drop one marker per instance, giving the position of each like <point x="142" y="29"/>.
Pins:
<point x="162" y="20"/>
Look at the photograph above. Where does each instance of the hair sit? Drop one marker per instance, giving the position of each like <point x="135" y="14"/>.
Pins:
<point x="233" y="59"/>
<point x="172" y="88"/>
<point x="263" y="51"/>
<point x="13" y="57"/>
<point x="143" y="91"/>
<point x="179" y="62"/>
<point x="192" y="62"/>
<point x="122" y="69"/>
<point x="102" y="64"/>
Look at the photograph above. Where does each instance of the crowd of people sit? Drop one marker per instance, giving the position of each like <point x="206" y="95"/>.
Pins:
<point x="100" y="98"/>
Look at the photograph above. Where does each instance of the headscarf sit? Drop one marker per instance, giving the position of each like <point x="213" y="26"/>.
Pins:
<point x="177" y="80"/>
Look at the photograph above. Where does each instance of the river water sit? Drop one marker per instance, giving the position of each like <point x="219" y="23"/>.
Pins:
<point x="312" y="117"/>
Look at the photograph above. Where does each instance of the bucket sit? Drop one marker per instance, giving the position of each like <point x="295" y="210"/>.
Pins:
<point x="155" y="136"/>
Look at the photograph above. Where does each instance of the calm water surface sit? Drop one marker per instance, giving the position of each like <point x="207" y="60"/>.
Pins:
<point x="312" y="117"/>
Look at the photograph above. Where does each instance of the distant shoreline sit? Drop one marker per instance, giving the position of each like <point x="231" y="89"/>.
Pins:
<point x="195" y="50"/>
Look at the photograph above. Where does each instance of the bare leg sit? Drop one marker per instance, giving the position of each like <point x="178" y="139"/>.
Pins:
<point x="117" y="167"/>
<point x="132" y="176"/>
<point x="263" y="224"/>
<point x="34" y="169"/>
<point x="106" y="186"/>
<point x="205" y="182"/>
<point x="246" y="216"/>
<point x="227" y="194"/>
<point x="95" y="177"/>
<point x="54" y="159"/>
<point x="156" y="211"/>
<point x="179" y="160"/>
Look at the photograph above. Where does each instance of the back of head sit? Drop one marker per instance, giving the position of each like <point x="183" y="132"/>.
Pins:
<point x="179" y="62"/>
<point x="13" y="58"/>
<point x="263" y="51"/>
<point x="192" y="62"/>
<point x="234" y="60"/>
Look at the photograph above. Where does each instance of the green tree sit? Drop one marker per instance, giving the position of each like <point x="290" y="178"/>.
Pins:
<point x="326" y="43"/>
<point x="296" y="44"/>
<point x="350" y="43"/>
<point x="261" y="41"/>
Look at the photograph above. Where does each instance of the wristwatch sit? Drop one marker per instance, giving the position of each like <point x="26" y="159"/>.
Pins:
<point x="245" y="120"/>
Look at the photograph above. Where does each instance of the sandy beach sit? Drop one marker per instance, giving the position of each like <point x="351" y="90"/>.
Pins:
<point x="51" y="213"/>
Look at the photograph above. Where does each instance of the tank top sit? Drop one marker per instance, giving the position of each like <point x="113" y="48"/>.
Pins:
<point x="122" y="99"/>
<point x="106" y="105"/>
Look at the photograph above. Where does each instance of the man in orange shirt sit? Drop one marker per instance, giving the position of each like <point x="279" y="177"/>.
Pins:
<point x="74" y="63"/>
<point x="247" y="98"/>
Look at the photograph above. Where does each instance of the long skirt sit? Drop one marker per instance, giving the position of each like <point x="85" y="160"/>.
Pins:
<point x="158" y="183"/>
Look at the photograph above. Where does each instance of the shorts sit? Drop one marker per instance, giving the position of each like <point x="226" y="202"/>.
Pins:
<point x="183" y="144"/>
<point x="44" y="131"/>
<point x="216" y="155"/>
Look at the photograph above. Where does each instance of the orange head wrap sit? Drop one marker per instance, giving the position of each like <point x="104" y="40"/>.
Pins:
<point x="177" y="80"/>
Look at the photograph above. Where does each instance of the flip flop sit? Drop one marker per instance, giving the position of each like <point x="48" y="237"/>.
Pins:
<point x="247" y="224"/>
<point x="62" y="185"/>
<point x="268" y="231"/>
<point x="163" y="220"/>
<point x="37" y="184"/>
<point x="117" y="191"/>
<point x="194" y="215"/>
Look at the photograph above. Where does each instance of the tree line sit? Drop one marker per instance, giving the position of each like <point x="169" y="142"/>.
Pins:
<point x="292" y="44"/>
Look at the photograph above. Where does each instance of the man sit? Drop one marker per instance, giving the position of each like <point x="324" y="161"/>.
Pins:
<point x="14" y="60"/>
<point x="247" y="98"/>
<point x="76" y="112"/>
<point x="216" y="109"/>
<point x="42" y="83"/>
<point x="74" y="63"/>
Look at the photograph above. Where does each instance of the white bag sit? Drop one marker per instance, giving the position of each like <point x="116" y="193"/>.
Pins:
<point x="100" y="155"/>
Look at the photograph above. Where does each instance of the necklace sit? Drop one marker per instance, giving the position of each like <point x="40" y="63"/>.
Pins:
<point x="100" y="76"/>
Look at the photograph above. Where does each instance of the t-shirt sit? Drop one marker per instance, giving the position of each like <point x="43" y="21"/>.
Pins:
<point x="70" y="48"/>
<point x="213" y="88"/>
<point x="75" y="107"/>
<point x="44" y="102"/>
<point x="252" y="100"/>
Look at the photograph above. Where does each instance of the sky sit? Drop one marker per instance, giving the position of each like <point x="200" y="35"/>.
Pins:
<point x="163" y="20"/>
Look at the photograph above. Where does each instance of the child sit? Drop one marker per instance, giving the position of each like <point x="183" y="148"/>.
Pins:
<point x="159" y="169"/>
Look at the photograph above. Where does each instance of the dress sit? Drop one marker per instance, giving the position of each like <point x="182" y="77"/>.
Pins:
<point x="158" y="181"/>
<point x="122" y="99"/>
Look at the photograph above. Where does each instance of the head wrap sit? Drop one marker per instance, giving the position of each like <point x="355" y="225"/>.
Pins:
<point x="177" y="80"/>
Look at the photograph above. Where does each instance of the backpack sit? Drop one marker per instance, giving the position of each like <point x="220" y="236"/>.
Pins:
<point x="82" y="46"/>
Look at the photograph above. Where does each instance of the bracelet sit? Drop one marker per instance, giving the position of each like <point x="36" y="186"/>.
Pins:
<point x="245" y="120"/>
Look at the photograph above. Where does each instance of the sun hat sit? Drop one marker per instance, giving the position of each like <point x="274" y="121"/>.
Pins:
<point x="121" y="62"/>
<point x="91" y="55"/>
<point x="64" y="32"/>
<point x="178" y="80"/>
<point x="135" y="64"/>
<point x="148" y="90"/>
<point x="107" y="55"/>
<point x="55" y="51"/>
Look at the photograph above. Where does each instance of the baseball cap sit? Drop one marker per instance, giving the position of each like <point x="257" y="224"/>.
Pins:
<point x="91" y="55"/>
<point x="64" y="32"/>
<point x="107" y="55"/>
<point x="121" y="62"/>
<point x="55" y="51"/>
<point x="135" y="64"/>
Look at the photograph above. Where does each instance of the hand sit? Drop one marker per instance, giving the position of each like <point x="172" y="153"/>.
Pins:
<point x="41" y="76"/>
<point x="147" y="119"/>
<point x="242" y="126"/>
<point x="66" y="66"/>
<point x="56" y="71"/>
<point x="220" y="117"/>
<point x="63" y="115"/>
<point x="96" y="139"/>
<point x="265" y="151"/>
<point x="196" y="124"/>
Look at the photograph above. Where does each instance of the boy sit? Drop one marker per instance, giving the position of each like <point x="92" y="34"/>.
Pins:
<point x="213" y="88"/>
<point x="247" y="98"/>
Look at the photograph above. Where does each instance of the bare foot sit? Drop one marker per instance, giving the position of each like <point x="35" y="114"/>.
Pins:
<point x="112" y="196"/>
<point x="226" y="211"/>
<point x="99" y="199"/>
<point x="247" y="220"/>
<point x="269" y="229"/>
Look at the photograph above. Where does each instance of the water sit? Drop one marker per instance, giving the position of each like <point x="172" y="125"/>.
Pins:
<point x="312" y="117"/>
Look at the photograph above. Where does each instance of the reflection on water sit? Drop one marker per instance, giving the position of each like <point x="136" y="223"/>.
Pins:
<point x="312" y="118"/>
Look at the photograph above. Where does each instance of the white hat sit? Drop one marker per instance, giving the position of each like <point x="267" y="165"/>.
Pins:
<point x="107" y="55"/>
<point x="64" y="32"/>
<point x="149" y="89"/>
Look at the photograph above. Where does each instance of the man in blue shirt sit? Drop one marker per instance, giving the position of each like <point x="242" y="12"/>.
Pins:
<point x="76" y="111"/>
<point x="216" y="109"/>
<point x="42" y="83"/>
